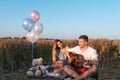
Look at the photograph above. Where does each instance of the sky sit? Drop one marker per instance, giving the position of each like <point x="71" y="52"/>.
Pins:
<point x="62" y="19"/>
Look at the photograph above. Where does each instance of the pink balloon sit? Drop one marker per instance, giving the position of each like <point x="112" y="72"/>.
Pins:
<point x="34" y="16"/>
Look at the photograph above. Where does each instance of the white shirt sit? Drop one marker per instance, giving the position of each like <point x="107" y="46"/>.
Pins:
<point x="89" y="54"/>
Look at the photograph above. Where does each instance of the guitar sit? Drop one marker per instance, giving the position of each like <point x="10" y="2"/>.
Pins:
<point x="77" y="60"/>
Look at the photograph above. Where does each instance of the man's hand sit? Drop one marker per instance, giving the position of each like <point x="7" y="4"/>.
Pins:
<point x="94" y="62"/>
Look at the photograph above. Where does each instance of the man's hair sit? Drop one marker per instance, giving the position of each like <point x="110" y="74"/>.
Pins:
<point x="85" y="37"/>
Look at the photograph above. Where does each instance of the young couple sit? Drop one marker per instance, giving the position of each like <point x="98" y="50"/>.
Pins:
<point x="62" y="58"/>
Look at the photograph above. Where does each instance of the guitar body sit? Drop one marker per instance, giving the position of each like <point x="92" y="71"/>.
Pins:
<point x="77" y="60"/>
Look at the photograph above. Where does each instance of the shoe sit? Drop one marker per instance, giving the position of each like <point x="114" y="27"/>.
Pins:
<point x="68" y="78"/>
<point x="52" y="75"/>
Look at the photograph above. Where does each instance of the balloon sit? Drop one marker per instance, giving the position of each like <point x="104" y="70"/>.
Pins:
<point x="38" y="27"/>
<point x="28" y="24"/>
<point x="34" y="16"/>
<point x="32" y="36"/>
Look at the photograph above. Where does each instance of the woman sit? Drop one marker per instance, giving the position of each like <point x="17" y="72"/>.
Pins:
<point x="59" y="52"/>
<point x="60" y="57"/>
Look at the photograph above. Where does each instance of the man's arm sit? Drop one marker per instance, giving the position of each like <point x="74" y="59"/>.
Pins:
<point x="94" y="62"/>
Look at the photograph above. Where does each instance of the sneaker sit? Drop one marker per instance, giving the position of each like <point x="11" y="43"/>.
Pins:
<point x="68" y="78"/>
<point x="91" y="79"/>
<point x="52" y="75"/>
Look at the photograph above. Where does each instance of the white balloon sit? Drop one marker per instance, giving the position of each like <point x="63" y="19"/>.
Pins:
<point x="32" y="36"/>
<point x="38" y="27"/>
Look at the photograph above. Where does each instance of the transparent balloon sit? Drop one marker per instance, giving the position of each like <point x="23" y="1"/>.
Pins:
<point x="28" y="24"/>
<point x="34" y="16"/>
<point x="32" y="36"/>
<point x="38" y="28"/>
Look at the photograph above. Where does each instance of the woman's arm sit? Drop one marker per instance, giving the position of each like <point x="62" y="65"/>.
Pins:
<point x="53" y="56"/>
<point x="68" y="56"/>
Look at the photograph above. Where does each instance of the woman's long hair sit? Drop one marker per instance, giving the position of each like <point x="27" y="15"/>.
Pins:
<point x="56" y="49"/>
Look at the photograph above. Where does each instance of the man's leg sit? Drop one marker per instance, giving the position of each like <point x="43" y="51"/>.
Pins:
<point x="89" y="72"/>
<point x="70" y="71"/>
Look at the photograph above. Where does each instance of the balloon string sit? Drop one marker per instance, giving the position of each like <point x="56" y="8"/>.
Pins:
<point x="32" y="51"/>
<point x="32" y="54"/>
<point x="33" y="46"/>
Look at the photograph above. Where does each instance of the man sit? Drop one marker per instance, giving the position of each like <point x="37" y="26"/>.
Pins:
<point x="89" y="55"/>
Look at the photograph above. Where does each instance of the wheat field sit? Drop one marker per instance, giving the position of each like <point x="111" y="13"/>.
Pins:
<point x="16" y="57"/>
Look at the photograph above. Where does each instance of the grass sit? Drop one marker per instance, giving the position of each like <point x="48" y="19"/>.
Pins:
<point x="15" y="57"/>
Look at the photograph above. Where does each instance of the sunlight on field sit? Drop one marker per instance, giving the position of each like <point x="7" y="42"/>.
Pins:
<point x="15" y="56"/>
